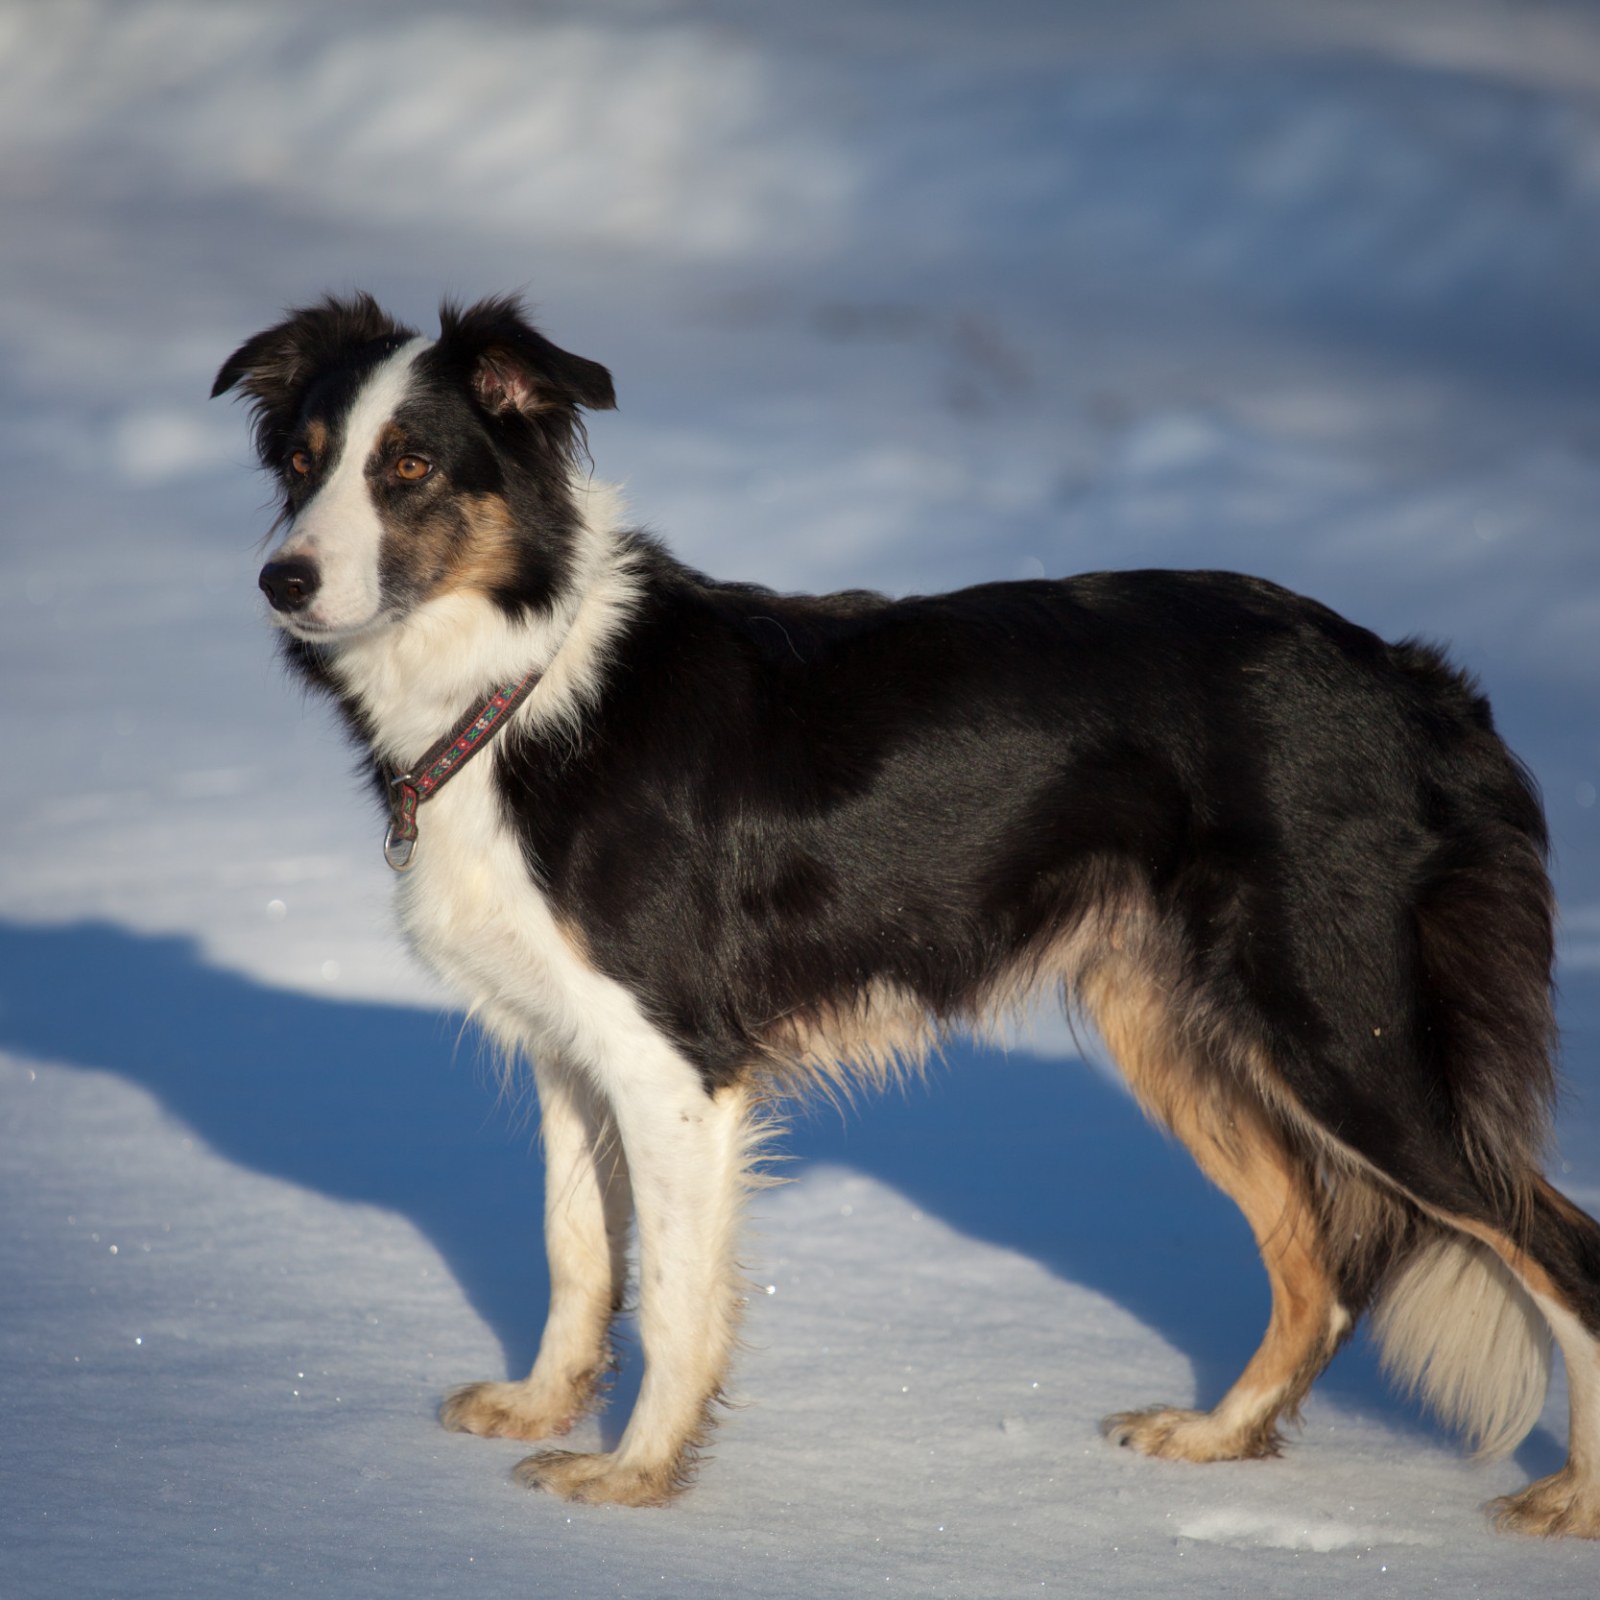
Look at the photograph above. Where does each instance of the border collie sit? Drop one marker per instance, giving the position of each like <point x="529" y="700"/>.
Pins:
<point x="689" y="847"/>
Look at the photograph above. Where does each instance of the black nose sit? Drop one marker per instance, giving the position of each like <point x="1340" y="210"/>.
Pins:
<point x="289" y="584"/>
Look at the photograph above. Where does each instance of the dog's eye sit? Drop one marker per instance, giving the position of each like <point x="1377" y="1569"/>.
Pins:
<point x="301" y="462"/>
<point x="413" y="469"/>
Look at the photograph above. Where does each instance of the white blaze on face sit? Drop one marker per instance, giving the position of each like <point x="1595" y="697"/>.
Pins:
<point x="339" y="528"/>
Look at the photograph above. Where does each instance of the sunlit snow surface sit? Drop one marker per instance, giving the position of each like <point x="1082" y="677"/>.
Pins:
<point x="894" y="295"/>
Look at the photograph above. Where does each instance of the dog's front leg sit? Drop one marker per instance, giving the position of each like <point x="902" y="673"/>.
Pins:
<point x="587" y="1210"/>
<point x="688" y="1154"/>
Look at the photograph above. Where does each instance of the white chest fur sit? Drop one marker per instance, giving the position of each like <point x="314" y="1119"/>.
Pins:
<point x="474" y="912"/>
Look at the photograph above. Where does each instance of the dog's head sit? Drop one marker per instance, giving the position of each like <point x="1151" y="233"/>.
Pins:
<point x="412" y="468"/>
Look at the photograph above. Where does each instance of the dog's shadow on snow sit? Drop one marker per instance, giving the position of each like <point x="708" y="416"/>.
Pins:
<point x="386" y="1105"/>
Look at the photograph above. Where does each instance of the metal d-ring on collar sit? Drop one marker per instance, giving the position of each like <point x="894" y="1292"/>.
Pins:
<point x="408" y="790"/>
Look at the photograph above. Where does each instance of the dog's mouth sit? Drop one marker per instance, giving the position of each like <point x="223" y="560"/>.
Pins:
<point x="305" y="628"/>
<point x="313" y="631"/>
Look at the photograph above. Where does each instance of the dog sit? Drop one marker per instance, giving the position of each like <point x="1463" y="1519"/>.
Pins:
<point x="691" y="847"/>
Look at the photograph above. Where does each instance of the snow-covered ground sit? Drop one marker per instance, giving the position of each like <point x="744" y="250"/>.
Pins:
<point x="894" y="295"/>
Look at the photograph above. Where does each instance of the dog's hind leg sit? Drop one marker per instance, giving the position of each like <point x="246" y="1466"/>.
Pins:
<point x="1561" y="1270"/>
<point x="587" y="1210"/>
<point x="688" y="1155"/>
<point x="1235" y="1143"/>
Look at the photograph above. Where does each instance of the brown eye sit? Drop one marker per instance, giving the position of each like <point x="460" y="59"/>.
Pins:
<point x="301" y="462"/>
<point x="412" y="468"/>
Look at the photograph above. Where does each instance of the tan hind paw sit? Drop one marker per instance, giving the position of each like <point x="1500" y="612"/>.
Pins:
<point x="1561" y="1505"/>
<point x="1178" y="1435"/>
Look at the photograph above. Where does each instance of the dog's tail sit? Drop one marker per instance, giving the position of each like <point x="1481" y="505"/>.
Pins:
<point x="1454" y="1323"/>
<point x="1456" y="1329"/>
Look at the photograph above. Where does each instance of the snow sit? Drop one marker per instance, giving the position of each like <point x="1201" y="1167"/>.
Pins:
<point x="891" y="299"/>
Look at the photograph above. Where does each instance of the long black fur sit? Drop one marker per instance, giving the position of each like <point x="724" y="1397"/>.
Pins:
<point x="789" y="799"/>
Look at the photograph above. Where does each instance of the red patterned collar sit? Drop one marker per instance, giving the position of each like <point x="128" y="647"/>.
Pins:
<point x="408" y="790"/>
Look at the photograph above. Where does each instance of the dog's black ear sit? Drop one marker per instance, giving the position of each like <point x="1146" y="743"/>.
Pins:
<point x="513" y="367"/>
<point x="279" y="365"/>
